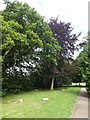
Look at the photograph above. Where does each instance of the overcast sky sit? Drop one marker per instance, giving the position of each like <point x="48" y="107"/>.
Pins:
<point x="74" y="11"/>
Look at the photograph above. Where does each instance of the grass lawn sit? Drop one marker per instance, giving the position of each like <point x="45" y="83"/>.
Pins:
<point x="60" y="105"/>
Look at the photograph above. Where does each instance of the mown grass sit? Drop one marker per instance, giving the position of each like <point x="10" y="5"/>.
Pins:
<point x="60" y="105"/>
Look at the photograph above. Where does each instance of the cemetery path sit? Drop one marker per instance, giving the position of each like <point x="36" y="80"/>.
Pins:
<point x="81" y="107"/>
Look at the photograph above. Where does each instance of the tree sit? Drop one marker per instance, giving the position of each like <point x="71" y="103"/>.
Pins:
<point x="63" y="33"/>
<point x="84" y="61"/>
<point x="27" y="40"/>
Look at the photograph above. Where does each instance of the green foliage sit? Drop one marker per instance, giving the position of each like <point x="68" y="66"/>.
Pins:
<point x="27" y="42"/>
<point x="32" y="54"/>
<point x="84" y="61"/>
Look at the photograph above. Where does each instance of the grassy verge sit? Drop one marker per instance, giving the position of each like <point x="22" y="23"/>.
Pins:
<point x="60" y="104"/>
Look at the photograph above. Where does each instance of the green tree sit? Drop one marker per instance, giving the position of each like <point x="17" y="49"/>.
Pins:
<point x="84" y="61"/>
<point x="27" y="40"/>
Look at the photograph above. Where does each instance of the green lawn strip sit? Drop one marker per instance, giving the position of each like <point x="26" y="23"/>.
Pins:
<point x="60" y="104"/>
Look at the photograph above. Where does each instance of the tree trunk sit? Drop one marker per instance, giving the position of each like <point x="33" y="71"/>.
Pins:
<point x="52" y="84"/>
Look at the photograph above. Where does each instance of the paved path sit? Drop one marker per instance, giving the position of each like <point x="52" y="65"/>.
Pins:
<point x="81" y="108"/>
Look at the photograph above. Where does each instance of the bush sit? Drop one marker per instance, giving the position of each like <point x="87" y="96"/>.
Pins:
<point x="88" y="86"/>
<point x="3" y="93"/>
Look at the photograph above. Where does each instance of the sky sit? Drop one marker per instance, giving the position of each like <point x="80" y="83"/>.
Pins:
<point x="74" y="11"/>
